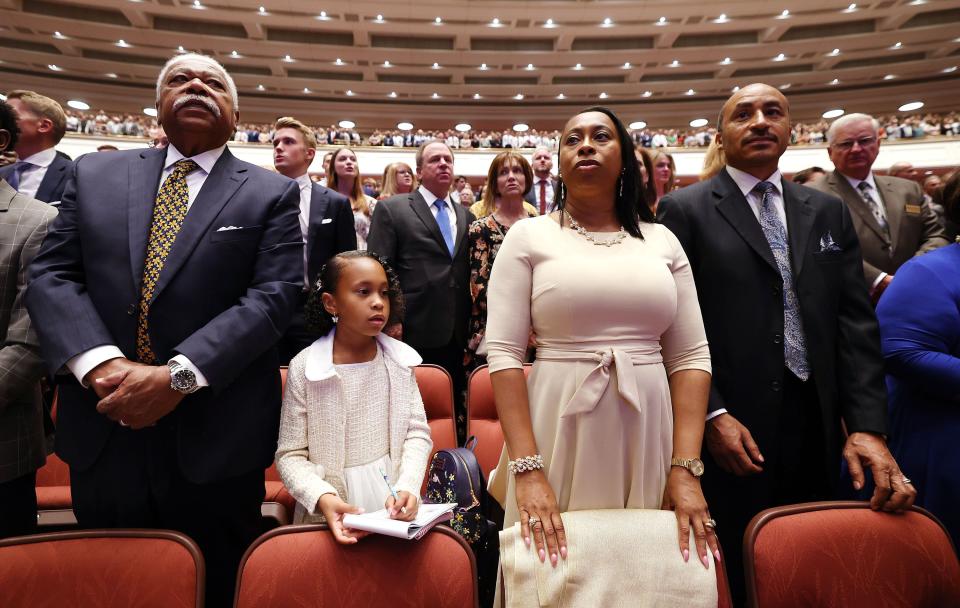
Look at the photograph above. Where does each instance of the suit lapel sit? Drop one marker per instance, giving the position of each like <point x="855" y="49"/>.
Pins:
<point x="319" y="201"/>
<point x="855" y="203"/>
<point x="227" y="176"/>
<point x="735" y="208"/>
<point x="143" y="183"/>
<point x="420" y="207"/>
<point x="6" y="195"/>
<point x="799" y="222"/>
<point x="52" y="179"/>
<point x="890" y="198"/>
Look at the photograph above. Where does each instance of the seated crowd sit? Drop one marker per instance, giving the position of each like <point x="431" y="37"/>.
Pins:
<point x="159" y="291"/>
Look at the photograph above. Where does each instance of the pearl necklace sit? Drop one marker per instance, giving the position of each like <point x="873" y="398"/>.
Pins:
<point x="617" y="238"/>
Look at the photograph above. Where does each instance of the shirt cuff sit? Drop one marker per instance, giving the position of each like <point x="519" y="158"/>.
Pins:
<point x="716" y="413"/>
<point x="85" y="362"/>
<point x="201" y="379"/>
<point x="877" y="280"/>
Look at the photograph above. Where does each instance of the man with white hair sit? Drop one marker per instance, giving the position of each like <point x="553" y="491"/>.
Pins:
<point x="159" y="295"/>
<point x="893" y="221"/>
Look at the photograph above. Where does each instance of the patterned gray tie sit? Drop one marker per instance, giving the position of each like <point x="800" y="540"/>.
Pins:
<point x="18" y="168"/>
<point x="794" y="344"/>
<point x="864" y="188"/>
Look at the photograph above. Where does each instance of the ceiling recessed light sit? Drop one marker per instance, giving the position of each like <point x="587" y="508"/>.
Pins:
<point x="521" y="127"/>
<point x="76" y="104"/>
<point x="852" y="7"/>
<point x="150" y="112"/>
<point x="834" y="82"/>
<point x="911" y="106"/>
<point x="690" y="92"/>
<point x="780" y="57"/>
<point x="834" y="52"/>
<point x="404" y="126"/>
<point x="392" y="94"/>
<point x="578" y="67"/>
<point x="696" y="123"/>
<point x="721" y="19"/>
<point x="197" y="5"/>
<point x="338" y="61"/>
<point x="785" y="86"/>
<point x="463" y="127"/>
<point x="379" y="19"/>
<point x="637" y="125"/>
<point x="260" y="87"/>
<point x="323" y="16"/>
<point x="603" y="95"/>
<point x="437" y="21"/>
<point x="263" y="11"/>
<point x="180" y="49"/>
<point x="648" y="93"/>
<point x="627" y="65"/>
<point x="477" y="96"/>
<point x="735" y="88"/>
<point x="561" y="96"/>
<point x="288" y="59"/>
<point x="435" y="66"/>
<point x="483" y="67"/>
<point x="833" y="113"/>
<point x="346" y="124"/>
<point x="235" y="54"/>
<point x="54" y="67"/>
<point x="889" y="77"/>
<point x="607" y="22"/>
<point x="306" y="90"/>
<point x="950" y="69"/>
<point x="549" y="23"/>
<point x="386" y="63"/>
<point x="662" y="21"/>
<point x="435" y="96"/>
<point x="518" y="96"/>
<point x="674" y="64"/>
<point x="529" y="67"/>
<point x="59" y="36"/>
<point x="726" y="61"/>
<point x="123" y="44"/>
<point x="495" y="22"/>
<point x="784" y="14"/>
<point x="111" y="75"/>
<point x="897" y="46"/>
<point x="350" y="93"/>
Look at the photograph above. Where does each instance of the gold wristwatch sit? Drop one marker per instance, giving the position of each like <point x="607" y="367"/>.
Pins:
<point x="694" y="465"/>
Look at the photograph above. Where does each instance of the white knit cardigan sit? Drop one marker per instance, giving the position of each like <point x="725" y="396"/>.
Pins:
<point x="311" y="452"/>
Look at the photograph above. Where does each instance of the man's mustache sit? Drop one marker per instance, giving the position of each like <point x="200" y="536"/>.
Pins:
<point x="190" y="97"/>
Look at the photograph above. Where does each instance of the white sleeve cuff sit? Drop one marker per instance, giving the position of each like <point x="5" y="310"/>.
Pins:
<point x="201" y="379"/>
<point x="85" y="362"/>
<point x="879" y="278"/>
<point x="716" y="413"/>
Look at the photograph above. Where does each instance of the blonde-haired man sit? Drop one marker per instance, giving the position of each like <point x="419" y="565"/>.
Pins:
<point x="40" y="171"/>
<point x="326" y="219"/>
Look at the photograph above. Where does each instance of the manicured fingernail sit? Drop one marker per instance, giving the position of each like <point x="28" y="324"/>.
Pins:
<point x="542" y="555"/>
<point x="716" y="555"/>
<point x="526" y="539"/>
<point x="856" y="485"/>
<point x="553" y="559"/>
<point x="563" y="552"/>
<point x="706" y="563"/>
<point x="761" y="458"/>
<point x="686" y="555"/>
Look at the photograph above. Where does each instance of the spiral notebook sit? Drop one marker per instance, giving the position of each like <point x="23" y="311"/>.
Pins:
<point x="379" y="521"/>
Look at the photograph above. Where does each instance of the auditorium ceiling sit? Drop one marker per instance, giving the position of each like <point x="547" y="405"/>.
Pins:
<point x="439" y="62"/>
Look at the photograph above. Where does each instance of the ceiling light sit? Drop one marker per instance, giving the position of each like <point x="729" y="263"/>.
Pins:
<point x="392" y="94"/>
<point x="76" y="104"/>
<point x="521" y="127"/>
<point x="785" y="86"/>
<point x="235" y="54"/>
<point x="647" y="93"/>
<point x="833" y="113"/>
<point x="897" y="46"/>
<point x="435" y="96"/>
<point x="780" y="57"/>
<point x="549" y="23"/>
<point x="726" y="61"/>
<point x="690" y="92"/>
<point x="123" y="44"/>
<point x="477" y="96"/>
<point x="346" y="124"/>
<point x="288" y="59"/>
<point x="59" y="36"/>
<point x="437" y="21"/>
<point x="950" y="69"/>
<point x="180" y="49"/>
<point x="603" y="95"/>
<point x="911" y="106"/>
<point x="518" y="96"/>
<point x="379" y="19"/>
<point x="197" y="5"/>
<point x="260" y="87"/>
<point x="662" y="21"/>
<point x="483" y="67"/>
<point x="435" y="66"/>
<point x="529" y="67"/>
<point x="851" y="8"/>
<point x="150" y="112"/>
<point x="637" y="125"/>
<point x="350" y="93"/>
<point x="111" y="75"/>
<point x="721" y="19"/>
<point x="674" y="64"/>
<point x="404" y="126"/>
<point x="735" y="88"/>
<point x="306" y="90"/>
<point x="463" y="127"/>
<point x="784" y="14"/>
<point x="578" y="67"/>
<point x="386" y="63"/>
<point x="889" y="77"/>
<point x="495" y="22"/>
<point x="338" y="61"/>
<point x="263" y="11"/>
<point x="607" y="22"/>
<point x="696" y="123"/>
<point x="834" y="82"/>
<point x="323" y="16"/>
<point x="561" y="96"/>
<point x="627" y="65"/>
<point x="834" y="52"/>
<point x="54" y="67"/>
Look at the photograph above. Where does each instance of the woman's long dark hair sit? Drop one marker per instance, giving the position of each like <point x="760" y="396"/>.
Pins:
<point x="318" y="320"/>
<point x="630" y="206"/>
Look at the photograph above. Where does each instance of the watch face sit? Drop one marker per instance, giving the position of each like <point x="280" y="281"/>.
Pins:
<point x="183" y="380"/>
<point x="696" y="467"/>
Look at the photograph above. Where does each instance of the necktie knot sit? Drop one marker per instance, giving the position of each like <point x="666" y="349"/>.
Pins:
<point x="863" y="187"/>
<point x="184" y="166"/>
<point x="764" y="188"/>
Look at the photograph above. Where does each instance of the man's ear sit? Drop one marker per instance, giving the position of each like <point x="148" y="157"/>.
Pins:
<point x="311" y="154"/>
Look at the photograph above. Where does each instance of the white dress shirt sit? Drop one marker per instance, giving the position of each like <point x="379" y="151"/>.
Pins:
<point x="306" y="195"/>
<point x="31" y="177"/>
<point x="875" y="193"/>
<point x="430" y="197"/>
<point x="82" y="364"/>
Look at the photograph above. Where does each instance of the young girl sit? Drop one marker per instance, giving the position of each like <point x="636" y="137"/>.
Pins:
<point x="352" y="410"/>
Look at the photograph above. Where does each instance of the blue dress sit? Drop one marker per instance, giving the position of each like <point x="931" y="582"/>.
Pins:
<point x="919" y="317"/>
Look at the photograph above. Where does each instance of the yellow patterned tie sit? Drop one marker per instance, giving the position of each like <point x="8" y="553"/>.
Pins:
<point x="168" y="216"/>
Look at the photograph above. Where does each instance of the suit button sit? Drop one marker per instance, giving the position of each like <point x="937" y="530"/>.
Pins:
<point x="775" y="385"/>
<point x="777" y="339"/>
<point x="132" y="309"/>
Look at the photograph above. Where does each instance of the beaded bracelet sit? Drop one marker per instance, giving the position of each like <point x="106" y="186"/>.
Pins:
<point x="527" y="463"/>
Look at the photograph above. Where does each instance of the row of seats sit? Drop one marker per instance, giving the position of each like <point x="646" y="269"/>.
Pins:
<point x="817" y="554"/>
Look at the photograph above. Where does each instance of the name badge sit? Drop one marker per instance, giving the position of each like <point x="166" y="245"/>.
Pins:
<point x="912" y="209"/>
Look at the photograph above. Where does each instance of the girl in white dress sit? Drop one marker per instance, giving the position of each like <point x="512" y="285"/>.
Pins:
<point x="352" y="411"/>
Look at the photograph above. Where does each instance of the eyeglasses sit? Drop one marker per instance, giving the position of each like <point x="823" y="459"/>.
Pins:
<point x="863" y="142"/>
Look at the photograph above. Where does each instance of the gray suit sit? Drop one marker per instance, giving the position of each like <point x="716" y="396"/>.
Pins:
<point x="23" y="225"/>
<point x="913" y="224"/>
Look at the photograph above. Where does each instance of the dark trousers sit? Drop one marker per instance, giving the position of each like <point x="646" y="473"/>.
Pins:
<point x="795" y="471"/>
<point x="137" y="483"/>
<point x="18" y="506"/>
<point x="297" y="337"/>
<point x="450" y="358"/>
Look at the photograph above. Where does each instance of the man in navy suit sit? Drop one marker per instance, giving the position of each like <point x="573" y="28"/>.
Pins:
<point x="793" y="337"/>
<point x="159" y="294"/>
<point x="326" y="220"/>
<point x="41" y="172"/>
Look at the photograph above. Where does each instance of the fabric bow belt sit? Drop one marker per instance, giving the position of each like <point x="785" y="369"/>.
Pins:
<point x="591" y="389"/>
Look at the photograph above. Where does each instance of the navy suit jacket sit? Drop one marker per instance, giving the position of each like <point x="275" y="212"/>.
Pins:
<point x="54" y="180"/>
<point x="330" y="230"/>
<point x="741" y="296"/>
<point x="223" y="299"/>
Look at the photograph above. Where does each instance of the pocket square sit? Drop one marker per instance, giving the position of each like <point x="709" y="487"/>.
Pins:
<point x="326" y="221"/>
<point x="827" y="243"/>
<point x="226" y="228"/>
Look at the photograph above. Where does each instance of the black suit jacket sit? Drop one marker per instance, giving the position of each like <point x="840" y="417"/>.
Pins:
<point x="223" y="299"/>
<point x="330" y="230"/>
<point x="435" y="287"/>
<point x="54" y="180"/>
<point x="741" y="296"/>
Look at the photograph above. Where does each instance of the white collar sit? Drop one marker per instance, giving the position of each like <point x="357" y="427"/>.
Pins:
<point x="747" y="182"/>
<point x="430" y="197"/>
<point x="43" y="158"/>
<point x="304" y="181"/>
<point x="206" y="160"/>
<point x="855" y="183"/>
<point x="319" y="365"/>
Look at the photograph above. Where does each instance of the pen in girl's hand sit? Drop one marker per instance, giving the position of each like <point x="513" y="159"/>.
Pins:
<point x="393" y="492"/>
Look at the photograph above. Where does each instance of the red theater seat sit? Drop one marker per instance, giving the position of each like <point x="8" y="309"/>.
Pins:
<point x="436" y="389"/>
<point x="303" y="566"/>
<point x="102" y="568"/>
<point x="845" y="555"/>
<point x="482" y="419"/>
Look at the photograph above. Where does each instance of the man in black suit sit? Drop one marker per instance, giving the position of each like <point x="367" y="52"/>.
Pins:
<point x="326" y="220"/>
<point x="424" y="237"/>
<point x="163" y="286"/>
<point x="41" y="172"/>
<point x="543" y="193"/>
<point x="793" y="337"/>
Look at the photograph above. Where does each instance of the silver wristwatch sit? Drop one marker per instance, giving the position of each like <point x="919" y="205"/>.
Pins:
<point x="694" y="465"/>
<point x="182" y="379"/>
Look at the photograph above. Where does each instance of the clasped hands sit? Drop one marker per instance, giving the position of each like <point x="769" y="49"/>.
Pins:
<point x="131" y="393"/>
<point x="734" y="450"/>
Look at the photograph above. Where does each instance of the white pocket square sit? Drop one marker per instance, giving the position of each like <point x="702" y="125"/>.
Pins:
<point x="226" y="228"/>
<point x="326" y="221"/>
